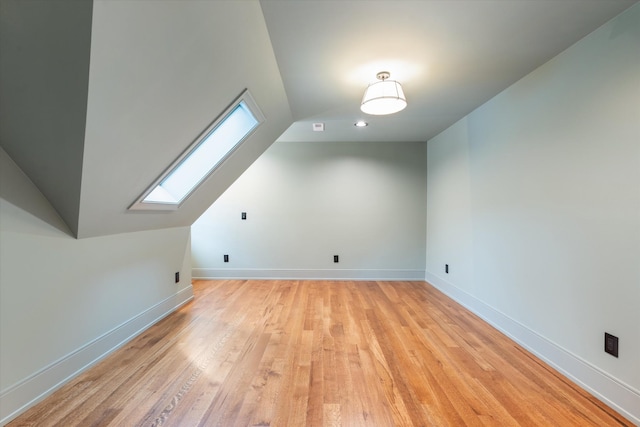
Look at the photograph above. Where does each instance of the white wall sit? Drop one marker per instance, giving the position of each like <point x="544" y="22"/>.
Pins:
<point x="534" y="202"/>
<point x="306" y="202"/>
<point x="64" y="303"/>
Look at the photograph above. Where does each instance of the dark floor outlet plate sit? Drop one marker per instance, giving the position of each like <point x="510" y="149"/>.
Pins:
<point x="226" y="258"/>
<point x="335" y="258"/>
<point x="611" y="344"/>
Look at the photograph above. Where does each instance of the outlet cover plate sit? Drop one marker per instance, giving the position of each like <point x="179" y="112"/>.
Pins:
<point x="611" y="344"/>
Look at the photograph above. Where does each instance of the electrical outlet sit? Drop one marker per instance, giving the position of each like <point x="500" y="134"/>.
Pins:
<point x="226" y="258"/>
<point x="243" y="215"/>
<point x="335" y="258"/>
<point x="177" y="276"/>
<point x="611" y="344"/>
<point x="446" y="268"/>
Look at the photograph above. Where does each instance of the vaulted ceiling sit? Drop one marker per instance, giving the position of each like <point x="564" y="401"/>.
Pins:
<point x="98" y="98"/>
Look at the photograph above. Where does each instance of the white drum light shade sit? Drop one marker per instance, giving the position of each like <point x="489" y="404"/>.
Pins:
<point x="383" y="97"/>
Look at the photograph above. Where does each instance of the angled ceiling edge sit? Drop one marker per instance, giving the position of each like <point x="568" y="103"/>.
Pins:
<point x="44" y="74"/>
<point x="160" y="74"/>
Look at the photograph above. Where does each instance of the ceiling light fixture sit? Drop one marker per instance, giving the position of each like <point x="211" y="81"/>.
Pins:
<point x="384" y="96"/>
<point x="361" y="124"/>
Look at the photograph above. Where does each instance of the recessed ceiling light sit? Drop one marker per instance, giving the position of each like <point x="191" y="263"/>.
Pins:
<point x="361" y="124"/>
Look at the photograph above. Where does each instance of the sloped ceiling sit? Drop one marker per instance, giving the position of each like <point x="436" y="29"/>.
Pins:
<point x="98" y="98"/>
<point x="161" y="72"/>
<point x="44" y="74"/>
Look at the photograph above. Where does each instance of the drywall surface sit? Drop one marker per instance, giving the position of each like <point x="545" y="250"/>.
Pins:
<point x="161" y="72"/>
<point x="534" y="202"/>
<point x="306" y="202"/>
<point x="44" y="69"/>
<point x="64" y="302"/>
<point x="99" y="98"/>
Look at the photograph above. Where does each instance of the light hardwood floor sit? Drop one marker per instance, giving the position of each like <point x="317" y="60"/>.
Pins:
<point x="320" y="353"/>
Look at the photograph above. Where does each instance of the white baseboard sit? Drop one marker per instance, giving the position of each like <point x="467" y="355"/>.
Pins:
<point x="306" y="274"/>
<point x="615" y="393"/>
<point x="16" y="399"/>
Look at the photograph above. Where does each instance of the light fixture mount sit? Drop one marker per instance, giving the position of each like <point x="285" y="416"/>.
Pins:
<point x="384" y="96"/>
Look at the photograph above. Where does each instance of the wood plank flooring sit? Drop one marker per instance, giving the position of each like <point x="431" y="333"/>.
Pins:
<point x="320" y="353"/>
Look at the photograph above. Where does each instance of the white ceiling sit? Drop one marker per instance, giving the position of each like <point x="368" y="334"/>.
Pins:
<point x="451" y="56"/>
<point x="100" y="97"/>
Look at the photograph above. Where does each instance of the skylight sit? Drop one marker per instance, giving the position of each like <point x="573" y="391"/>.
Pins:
<point x="202" y="158"/>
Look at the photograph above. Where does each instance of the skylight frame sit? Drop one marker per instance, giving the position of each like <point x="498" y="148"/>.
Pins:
<point x="251" y="106"/>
